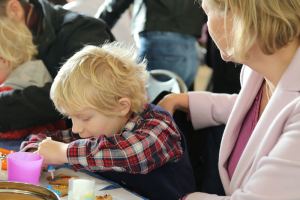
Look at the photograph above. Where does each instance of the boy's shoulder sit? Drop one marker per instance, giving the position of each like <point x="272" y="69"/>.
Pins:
<point x="153" y="118"/>
<point x="152" y="114"/>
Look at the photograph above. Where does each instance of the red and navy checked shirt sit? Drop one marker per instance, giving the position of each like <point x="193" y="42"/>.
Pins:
<point x="147" y="141"/>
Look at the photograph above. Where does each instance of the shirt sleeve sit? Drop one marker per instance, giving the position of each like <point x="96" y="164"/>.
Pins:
<point x="16" y="134"/>
<point x="148" y="147"/>
<point x="111" y="10"/>
<point x="33" y="141"/>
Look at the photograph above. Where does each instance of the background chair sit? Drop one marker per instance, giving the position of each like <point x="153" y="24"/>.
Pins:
<point x="174" y="85"/>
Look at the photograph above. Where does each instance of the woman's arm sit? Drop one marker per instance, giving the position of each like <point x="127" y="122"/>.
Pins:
<point x="174" y="102"/>
<point x="210" y="109"/>
<point x="206" y="108"/>
<point x="111" y="10"/>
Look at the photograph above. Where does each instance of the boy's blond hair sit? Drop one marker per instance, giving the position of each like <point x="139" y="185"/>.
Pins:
<point x="16" y="43"/>
<point x="274" y="23"/>
<point x="97" y="77"/>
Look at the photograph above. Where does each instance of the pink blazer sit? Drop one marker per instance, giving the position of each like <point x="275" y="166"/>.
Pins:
<point x="269" y="168"/>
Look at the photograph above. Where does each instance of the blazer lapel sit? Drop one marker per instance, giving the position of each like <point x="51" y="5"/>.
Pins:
<point x="247" y="158"/>
<point x="287" y="90"/>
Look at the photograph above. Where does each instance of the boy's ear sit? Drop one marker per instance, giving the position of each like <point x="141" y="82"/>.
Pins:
<point x="124" y="105"/>
<point x="15" y="11"/>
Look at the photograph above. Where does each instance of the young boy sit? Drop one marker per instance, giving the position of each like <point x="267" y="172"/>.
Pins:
<point x="19" y="70"/>
<point x="116" y="132"/>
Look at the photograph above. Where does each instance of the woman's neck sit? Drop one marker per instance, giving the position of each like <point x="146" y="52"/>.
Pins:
<point x="272" y="66"/>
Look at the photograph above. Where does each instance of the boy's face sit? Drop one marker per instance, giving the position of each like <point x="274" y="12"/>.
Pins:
<point x="91" y="123"/>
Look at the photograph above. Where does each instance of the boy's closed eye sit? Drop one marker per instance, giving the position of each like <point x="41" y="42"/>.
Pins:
<point x="86" y="119"/>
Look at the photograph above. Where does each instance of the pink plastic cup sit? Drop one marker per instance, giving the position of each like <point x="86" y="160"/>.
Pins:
<point x="24" y="167"/>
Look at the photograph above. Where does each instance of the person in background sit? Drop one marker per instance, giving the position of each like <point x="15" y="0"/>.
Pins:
<point x="257" y="155"/>
<point x="165" y="32"/>
<point x="116" y="132"/>
<point x="18" y="70"/>
<point x="58" y="34"/>
<point x="121" y="29"/>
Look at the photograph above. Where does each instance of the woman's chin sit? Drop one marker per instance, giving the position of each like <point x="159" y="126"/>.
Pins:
<point x="226" y="57"/>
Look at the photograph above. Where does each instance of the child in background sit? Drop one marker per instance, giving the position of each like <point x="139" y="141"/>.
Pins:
<point x="116" y="132"/>
<point x="18" y="70"/>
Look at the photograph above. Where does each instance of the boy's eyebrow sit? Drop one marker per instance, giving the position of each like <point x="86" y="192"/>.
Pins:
<point x="78" y="114"/>
<point x="74" y="113"/>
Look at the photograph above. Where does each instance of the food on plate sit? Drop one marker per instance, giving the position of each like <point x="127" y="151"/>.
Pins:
<point x="60" y="179"/>
<point x="61" y="190"/>
<point x="105" y="197"/>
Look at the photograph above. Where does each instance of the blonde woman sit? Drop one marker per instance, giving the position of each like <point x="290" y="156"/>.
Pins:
<point x="259" y="155"/>
<point x="19" y="70"/>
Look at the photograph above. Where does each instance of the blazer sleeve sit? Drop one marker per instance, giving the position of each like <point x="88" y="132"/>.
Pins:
<point x="209" y="109"/>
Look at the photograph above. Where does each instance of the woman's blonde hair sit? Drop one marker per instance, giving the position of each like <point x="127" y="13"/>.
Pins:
<point x="273" y="23"/>
<point x="16" y="43"/>
<point x="97" y="77"/>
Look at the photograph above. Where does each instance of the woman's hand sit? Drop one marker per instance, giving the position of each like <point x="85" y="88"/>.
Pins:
<point x="53" y="152"/>
<point x="174" y="102"/>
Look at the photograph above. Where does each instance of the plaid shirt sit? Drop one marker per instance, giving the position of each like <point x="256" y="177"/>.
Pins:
<point x="147" y="141"/>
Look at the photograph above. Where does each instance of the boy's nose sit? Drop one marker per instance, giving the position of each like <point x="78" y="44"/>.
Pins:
<point x="76" y="128"/>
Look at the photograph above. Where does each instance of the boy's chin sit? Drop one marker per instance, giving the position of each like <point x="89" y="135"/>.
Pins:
<point x="84" y="135"/>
